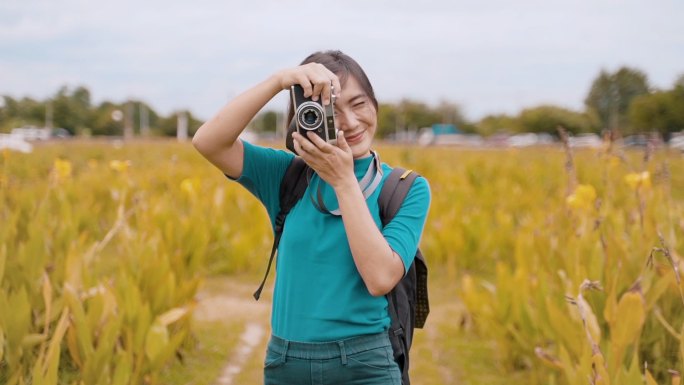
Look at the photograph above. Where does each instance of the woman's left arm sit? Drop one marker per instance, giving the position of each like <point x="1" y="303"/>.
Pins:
<point x="379" y="266"/>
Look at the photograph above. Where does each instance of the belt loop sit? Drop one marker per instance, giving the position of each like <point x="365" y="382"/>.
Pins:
<point x="343" y="353"/>
<point x="285" y="349"/>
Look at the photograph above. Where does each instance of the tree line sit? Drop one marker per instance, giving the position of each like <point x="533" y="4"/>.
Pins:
<point x="73" y="110"/>
<point x="623" y="100"/>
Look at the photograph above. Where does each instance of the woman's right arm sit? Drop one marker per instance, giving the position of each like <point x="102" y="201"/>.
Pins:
<point x="217" y="139"/>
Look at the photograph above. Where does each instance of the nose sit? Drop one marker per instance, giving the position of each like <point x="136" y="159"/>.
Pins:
<point x="346" y="119"/>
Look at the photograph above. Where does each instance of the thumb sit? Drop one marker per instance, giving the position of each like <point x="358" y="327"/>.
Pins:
<point x="342" y="142"/>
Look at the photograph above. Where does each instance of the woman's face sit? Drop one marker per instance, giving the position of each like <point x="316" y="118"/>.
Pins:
<point x="356" y="116"/>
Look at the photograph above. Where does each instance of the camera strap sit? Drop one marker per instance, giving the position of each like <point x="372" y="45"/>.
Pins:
<point x="368" y="184"/>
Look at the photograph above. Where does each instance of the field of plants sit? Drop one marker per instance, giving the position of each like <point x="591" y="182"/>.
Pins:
<point x="548" y="266"/>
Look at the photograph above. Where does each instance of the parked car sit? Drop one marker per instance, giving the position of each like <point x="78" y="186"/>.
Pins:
<point x="32" y="133"/>
<point x="677" y="143"/>
<point x="16" y="143"/>
<point x="529" y="139"/>
<point x="585" y="140"/>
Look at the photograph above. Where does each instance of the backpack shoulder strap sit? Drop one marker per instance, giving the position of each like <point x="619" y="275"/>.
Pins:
<point x="292" y="188"/>
<point x="392" y="196"/>
<point x="393" y="192"/>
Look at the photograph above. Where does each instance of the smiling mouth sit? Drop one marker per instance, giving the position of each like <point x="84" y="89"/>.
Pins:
<point x="354" y="138"/>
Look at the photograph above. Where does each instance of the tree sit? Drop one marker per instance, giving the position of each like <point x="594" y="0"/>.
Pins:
<point x="71" y="109"/>
<point x="102" y="121"/>
<point x="415" y="114"/>
<point x="661" y="111"/>
<point x="388" y="120"/>
<point x="267" y="122"/>
<point x="450" y="113"/>
<point x="492" y="124"/>
<point x="19" y="113"/>
<point x="167" y="126"/>
<point x="546" y="119"/>
<point x="611" y="94"/>
<point x="679" y="83"/>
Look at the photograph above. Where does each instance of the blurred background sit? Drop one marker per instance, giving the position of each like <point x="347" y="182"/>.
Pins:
<point x="551" y="134"/>
<point x="101" y="68"/>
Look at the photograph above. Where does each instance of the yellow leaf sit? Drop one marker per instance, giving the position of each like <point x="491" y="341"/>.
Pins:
<point x="61" y="169"/>
<point x="47" y="297"/>
<point x="30" y="340"/>
<point x="583" y="198"/>
<point x="190" y="186"/>
<point x="592" y="324"/>
<point x="649" y="378"/>
<point x="2" y="343"/>
<point x="598" y="363"/>
<point x="51" y="362"/>
<point x="156" y="340"/>
<point x="120" y="165"/>
<point x="3" y="259"/>
<point x="548" y="359"/>
<point x="629" y="321"/>
<point x="172" y="315"/>
<point x="629" y="318"/>
<point x="72" y="346"/>
<point x="636" y="180"/>
<point x="122" y="373"/>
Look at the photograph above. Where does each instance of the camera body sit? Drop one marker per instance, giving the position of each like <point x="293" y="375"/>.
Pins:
<point x="310" y="115"/>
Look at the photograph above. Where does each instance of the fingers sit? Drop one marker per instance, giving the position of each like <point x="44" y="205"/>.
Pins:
<point x="317" y="81"/>
<point x="342" y="142"/>
<point x="303" y="81"/>
<point x="320" y="143"/>
<point x="302" y="145"/>
<point x="313" y="146"/>
<point x="317" y="90"/>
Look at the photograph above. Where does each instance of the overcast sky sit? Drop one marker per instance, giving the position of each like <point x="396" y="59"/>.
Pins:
<point x="489" y="56"/>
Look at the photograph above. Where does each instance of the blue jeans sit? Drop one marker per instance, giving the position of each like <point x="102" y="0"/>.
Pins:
<point x="363" y="360"/>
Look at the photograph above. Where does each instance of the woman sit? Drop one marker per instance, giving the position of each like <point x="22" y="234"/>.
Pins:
<point x="329" y="317"/>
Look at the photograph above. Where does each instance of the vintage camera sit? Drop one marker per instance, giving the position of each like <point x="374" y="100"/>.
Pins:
<point x="311" y="116"/>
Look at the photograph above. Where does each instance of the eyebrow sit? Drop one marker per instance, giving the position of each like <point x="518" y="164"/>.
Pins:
<point x="354" y="98"/>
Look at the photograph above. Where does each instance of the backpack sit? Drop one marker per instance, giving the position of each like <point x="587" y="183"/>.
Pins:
<point x="408" y="303"/>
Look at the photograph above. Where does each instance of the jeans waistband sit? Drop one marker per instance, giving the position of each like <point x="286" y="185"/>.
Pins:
<point x="328" y="350"/>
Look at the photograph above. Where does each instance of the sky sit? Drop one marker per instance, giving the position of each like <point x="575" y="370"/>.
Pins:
<point x="488" y="56"/>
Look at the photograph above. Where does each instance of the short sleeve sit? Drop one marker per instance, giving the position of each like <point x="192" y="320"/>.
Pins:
<point x="403" y="232"/>
<point x="262" y="171"/>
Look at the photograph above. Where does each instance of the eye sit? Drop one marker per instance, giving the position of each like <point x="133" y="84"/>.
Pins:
<point x="359" y="104"/>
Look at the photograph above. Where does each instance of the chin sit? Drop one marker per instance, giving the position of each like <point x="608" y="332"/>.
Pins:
<point x="360" y="151"/>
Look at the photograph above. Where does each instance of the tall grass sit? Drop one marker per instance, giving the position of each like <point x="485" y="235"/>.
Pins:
<point x="571" y="273"/>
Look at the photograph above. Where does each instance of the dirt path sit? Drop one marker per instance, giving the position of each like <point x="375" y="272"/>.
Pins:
<point x="222" y="298"/>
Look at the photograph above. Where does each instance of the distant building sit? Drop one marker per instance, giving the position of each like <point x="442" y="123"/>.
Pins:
<point x="444" y="129"/>
<point x="443" y="134"/>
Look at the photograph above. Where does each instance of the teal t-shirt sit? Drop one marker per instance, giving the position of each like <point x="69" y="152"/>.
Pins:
<point x="319" y="294"/>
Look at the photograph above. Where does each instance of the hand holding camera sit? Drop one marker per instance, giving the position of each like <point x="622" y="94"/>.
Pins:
<point x="313" y="103"/>
<point x="315" y="79"/>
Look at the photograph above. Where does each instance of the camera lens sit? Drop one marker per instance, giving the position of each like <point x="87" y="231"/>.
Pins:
<point x="310" y="116"/>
